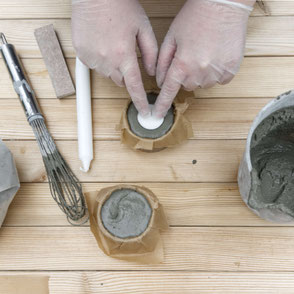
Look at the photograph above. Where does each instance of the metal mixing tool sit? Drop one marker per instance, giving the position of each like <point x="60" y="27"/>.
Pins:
<point x="65" y="188"/>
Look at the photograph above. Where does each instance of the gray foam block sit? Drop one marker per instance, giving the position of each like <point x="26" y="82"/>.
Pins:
<point x="54" y="60"/>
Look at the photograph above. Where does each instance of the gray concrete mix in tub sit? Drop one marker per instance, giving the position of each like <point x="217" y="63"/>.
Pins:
<point x="141" y="132"/>
<point x="126" y="213"/>
<point x="272" y="157"/>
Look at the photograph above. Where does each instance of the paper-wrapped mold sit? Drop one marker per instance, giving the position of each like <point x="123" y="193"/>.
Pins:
<point x="175" y="128"/>
<point x="9" y="182"/>
<point x="126" y="221"/>
<point x="266" y="173"/>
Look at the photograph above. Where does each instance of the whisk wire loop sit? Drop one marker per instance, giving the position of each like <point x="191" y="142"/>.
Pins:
<point x="64" y="186"/>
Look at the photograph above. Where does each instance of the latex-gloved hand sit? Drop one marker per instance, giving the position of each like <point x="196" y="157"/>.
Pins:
<point x="204" y="46"/>
<point x="104" y="36"/>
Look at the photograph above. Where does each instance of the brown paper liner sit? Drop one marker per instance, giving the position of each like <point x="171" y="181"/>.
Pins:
<point x="180" y="131"/>
<point x="146" y="248"/>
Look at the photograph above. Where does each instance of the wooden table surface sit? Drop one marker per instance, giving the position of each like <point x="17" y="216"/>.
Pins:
<point x="215" y="244"/>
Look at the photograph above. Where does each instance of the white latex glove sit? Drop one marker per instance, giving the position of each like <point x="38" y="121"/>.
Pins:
<point x="104" y="34"/>
<point x="204" y="46"/>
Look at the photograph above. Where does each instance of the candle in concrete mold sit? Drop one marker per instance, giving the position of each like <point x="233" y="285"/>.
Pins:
<point x="150" y="128"/>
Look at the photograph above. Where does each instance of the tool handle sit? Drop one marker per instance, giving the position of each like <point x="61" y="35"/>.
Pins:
<point x="20" y="82"/>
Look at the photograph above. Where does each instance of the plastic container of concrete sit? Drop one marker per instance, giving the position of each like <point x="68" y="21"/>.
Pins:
<point x="246" y="176"/>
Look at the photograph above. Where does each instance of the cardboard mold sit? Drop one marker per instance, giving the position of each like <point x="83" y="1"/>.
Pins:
<point x="180" y="131"/>
<point x="145" y="248"/>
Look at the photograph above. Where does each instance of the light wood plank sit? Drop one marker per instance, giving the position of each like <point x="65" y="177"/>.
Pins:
<point x="179" y="282"/>
<point x="204" y="204"/>
<point x="258" y="77"/>
<point x="266" y="35"/>
<point x="160" y="282"/>
<point x="217" y="161"/>
<point x="274" y="8"/>
<point x="39" y="78"/>
<point x="210" y="118"/>
<point x="25" y="9"/>
<point x="201" y="249"/>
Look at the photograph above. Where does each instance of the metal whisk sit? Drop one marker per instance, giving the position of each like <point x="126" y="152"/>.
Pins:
<point x="65" y="188"/>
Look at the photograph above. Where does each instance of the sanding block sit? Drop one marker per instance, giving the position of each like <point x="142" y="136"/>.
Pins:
<point x="54" y="60"/>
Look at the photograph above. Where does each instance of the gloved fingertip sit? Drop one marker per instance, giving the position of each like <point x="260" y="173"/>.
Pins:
<point x="159" y="80"/>
<point x="143" y="107"/>
<point x="122" y="85"/>
<point x="144" y="112"/>
<point x="151" y="70"/>
<point x="158" y="114"/>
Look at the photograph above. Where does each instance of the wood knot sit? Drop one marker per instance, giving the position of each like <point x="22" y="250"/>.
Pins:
<point x="22" y="150"/>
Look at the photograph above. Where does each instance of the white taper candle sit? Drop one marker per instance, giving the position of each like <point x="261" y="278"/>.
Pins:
<point x="84" y="115"/>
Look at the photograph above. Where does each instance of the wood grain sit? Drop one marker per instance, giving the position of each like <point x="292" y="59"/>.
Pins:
<point x="216" y="244"/>
<point x="210" y="118"/>
<point x="167" y="282"/>
<point x="172" y="282"/>
<point x="25" y="9"/>
<point x="217" y="161"/>
<point x="39" y="78"/>
<point x="186" y="248"/>
<point x="258" y="77"/>
<point x="264" y="35"/>
<point x="187" y="204"/>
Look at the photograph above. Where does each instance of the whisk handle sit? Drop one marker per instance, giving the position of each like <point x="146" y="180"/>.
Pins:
<point x="20" y="82"/>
